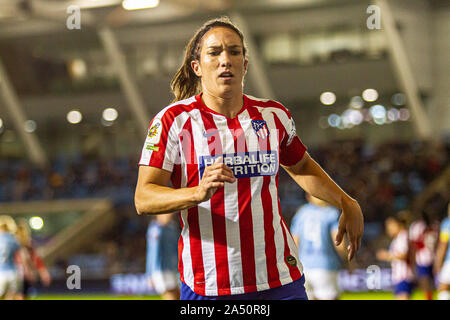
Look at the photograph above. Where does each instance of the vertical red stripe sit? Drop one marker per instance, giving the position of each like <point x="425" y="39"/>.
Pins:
<point x="217" y="203"/>
<point x="273" y="276"/>
<point x="293" y="271"/>
<point x="175" y="178"/>
<point x="176" y="183"/>
<point x="180" y="251"/>
<point x="245" y="213"/>
<point x="195" y="241"/>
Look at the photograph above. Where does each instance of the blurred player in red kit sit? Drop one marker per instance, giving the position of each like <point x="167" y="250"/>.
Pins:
<point x="399" y="255"/>
<point x="31" y="267"/>
<point x="423" y="235"/>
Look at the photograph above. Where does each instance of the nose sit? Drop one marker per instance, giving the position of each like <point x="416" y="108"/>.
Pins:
<point x="225" y="59"/>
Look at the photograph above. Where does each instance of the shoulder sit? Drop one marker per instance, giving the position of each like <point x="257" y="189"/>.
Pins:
<point x="304" y="208"/>
<point x="175" y="109"/>
<point x="267" y="104"/>
<point x="418" y="224"/>
<point x="403" y="236"/>
<point x="298" y="215"/>
<point x="446" y="223"/>
<point x="173" y="116"/>
<point x="333" y="212"/>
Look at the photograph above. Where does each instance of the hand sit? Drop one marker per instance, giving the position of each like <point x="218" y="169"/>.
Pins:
<point x="383" y="255"/>
<point x="351" y="223"/>
<point x="214" y="177"/>
<point x="45" y="278"/>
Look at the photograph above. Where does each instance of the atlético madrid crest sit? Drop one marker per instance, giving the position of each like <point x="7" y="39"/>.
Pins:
<point x="261" y="128"/>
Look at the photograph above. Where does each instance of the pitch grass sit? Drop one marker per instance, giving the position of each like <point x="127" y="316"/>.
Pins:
<point x="417" y="295"/>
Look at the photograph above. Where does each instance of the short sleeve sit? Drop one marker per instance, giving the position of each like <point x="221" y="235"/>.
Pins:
<point x="444" y="234"/>
<point x="402" y="244"/>
<point x="291" y="149"/>
<point x="160" y="148"/>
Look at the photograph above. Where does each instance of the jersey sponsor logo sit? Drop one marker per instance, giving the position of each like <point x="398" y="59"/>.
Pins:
<point x="150" y="146"/>
<point x="291" y="261"/>
<point x="261" y="129"/>
<point x="245" y="164"/>
<point x="154" y="133"/>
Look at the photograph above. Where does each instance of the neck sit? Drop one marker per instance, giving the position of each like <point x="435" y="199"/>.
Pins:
<point x="228" y="107"/>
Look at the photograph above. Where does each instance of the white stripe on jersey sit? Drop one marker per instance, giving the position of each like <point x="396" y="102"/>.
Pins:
<point x="426" y="240"/>
<point x="231" y="214"/>
<point x="257" y="208"/>
<point x="401" y="270"/>
<point x="186" y="254"/>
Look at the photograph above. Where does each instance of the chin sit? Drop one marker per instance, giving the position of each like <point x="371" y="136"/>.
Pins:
<point x="229" y="90"/>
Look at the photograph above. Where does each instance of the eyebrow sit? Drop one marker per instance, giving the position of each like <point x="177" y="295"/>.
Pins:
<point x="220" y="47"/>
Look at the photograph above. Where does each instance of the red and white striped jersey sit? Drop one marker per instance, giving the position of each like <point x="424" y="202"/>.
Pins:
<point x="401" y="269"/>
<point x="236" y="242"/>
<point x="424" y="240"/>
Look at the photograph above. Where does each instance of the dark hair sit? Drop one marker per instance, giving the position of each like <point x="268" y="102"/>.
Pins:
<point x="426" y="218"/>
<point x="185" y="83"/>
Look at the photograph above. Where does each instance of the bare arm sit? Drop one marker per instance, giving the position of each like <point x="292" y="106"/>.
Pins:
<point x="296" y="240"/>
<point x="385" y="255"/>
<point x="153" y="196"/>
<point x="440" y="256"/>
<point x="315" y="181"/>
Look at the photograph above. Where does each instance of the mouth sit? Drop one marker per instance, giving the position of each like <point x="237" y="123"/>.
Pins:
<point x="226" y="75"/>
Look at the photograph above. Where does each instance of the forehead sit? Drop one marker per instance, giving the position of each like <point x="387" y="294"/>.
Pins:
<point x="218" y="36"/>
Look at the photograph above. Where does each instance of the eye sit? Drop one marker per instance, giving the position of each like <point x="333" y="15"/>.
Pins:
<point x="214" y="53"/>
<point x="235" y="52"/>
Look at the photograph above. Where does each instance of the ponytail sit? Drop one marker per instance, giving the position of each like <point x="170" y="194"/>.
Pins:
<point x="186" y="83"/>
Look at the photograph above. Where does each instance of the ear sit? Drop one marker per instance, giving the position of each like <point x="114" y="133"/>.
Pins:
<point x="195" y="65"/>
<point x="245" y="65"/>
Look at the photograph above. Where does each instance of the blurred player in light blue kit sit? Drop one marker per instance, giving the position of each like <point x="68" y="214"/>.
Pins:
<point x="162" y="256"/>
<point x="9" y="247"/>
<point x="442" y="261"/>
<point x="314" y="228"/>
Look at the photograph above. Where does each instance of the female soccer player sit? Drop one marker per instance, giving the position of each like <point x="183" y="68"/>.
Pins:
<point x="9" y="248"/>
<point x="32" y="269"/>
<point x="222" y="151"/>
<point x="399" y="255"/>
<point x="313" y="228"/>
<point x="442" y="263"/>
<point x="424" y="236"/>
